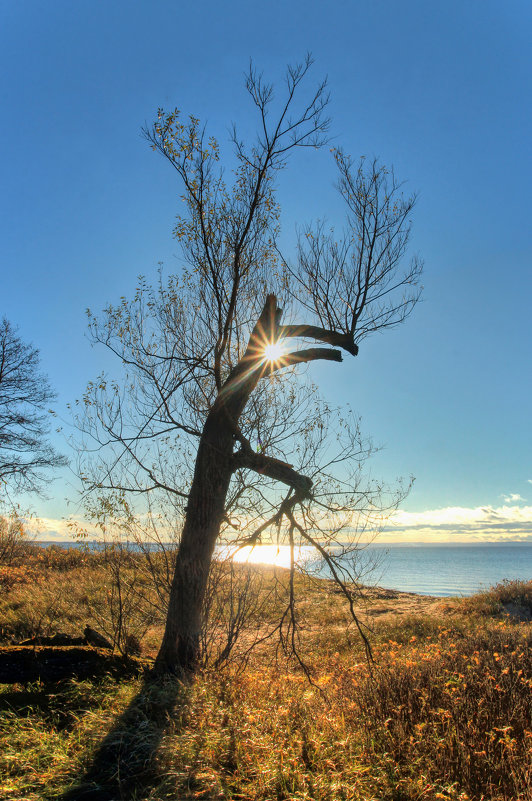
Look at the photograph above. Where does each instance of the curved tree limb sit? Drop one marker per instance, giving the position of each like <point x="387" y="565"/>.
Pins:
<point x="344" y="341"/>
<point x="273" y="468"/>
<point x="300" y="357"/>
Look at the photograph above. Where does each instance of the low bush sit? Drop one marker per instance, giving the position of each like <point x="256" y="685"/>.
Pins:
<point x="507" y="597"/>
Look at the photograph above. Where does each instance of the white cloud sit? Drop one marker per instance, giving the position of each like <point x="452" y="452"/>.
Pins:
<point x="513" y="497"/>
<point x="461" y="524"/>
<point x="509" y="522"/>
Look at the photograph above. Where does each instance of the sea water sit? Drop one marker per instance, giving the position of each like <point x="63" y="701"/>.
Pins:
<point x="444" y="570"/>
<point x="439" y="570"/>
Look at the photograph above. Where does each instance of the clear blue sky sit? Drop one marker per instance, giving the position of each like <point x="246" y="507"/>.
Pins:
<point x="441" y="90"/>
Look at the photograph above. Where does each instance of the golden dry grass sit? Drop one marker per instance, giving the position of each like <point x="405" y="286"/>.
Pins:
<point x="445" y="712"/>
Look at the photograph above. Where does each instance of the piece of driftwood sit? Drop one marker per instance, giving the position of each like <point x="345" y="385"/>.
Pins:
<point x="25" y="663"/>
<point x="94" y="637"/>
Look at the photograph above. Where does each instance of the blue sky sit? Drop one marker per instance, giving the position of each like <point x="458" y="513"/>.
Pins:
<point x="440" y="90"/>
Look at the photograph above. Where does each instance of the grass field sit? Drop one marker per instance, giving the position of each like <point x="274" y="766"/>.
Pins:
<point x="443" y="713"/>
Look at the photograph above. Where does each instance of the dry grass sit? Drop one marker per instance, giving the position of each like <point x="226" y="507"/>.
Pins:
<point x="446" y="713"/>
<point x="453" y="712"/>
<point x="508" y="597"/>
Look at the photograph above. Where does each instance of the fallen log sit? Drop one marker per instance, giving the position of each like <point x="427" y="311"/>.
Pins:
<point x="26" y="663"/>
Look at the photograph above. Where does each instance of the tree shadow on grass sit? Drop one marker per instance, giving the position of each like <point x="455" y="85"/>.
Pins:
<point x="124" y="767"/>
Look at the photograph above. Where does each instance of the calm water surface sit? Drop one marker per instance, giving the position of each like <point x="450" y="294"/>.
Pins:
<point x="440" y="570"/>
<point x="444" y="570"/>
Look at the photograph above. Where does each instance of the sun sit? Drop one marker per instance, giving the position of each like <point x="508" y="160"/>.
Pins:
<point x="273" y="351"/>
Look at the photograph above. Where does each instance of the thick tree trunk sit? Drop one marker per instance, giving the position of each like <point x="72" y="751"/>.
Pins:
<point x="215" y="463"/>
<point x="179" y="650"/>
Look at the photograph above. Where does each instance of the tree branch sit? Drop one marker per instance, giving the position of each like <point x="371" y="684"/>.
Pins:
<point x="344" y="341"/>
<point x="324" y="553"/>
<point x="273" y="468"/>
<point x="301" y="356"/>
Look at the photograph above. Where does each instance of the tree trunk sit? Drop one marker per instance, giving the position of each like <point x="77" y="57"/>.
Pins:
<point x="179" y="650"/>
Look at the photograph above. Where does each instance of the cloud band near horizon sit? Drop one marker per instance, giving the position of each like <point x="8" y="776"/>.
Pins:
<point x="450" y="524"/>
<point x="462" y="524"/>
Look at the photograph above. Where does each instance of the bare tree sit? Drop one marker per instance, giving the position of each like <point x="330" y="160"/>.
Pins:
<point x="211" y="416"/>
<point x="12" y="539"/>
<point x="25" y="453"/>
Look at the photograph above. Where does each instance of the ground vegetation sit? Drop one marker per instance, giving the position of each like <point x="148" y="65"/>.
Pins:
<point x="443" y="714"/>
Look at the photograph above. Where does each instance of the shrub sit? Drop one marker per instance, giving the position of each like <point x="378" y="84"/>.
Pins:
<point x="503" y="597"/>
